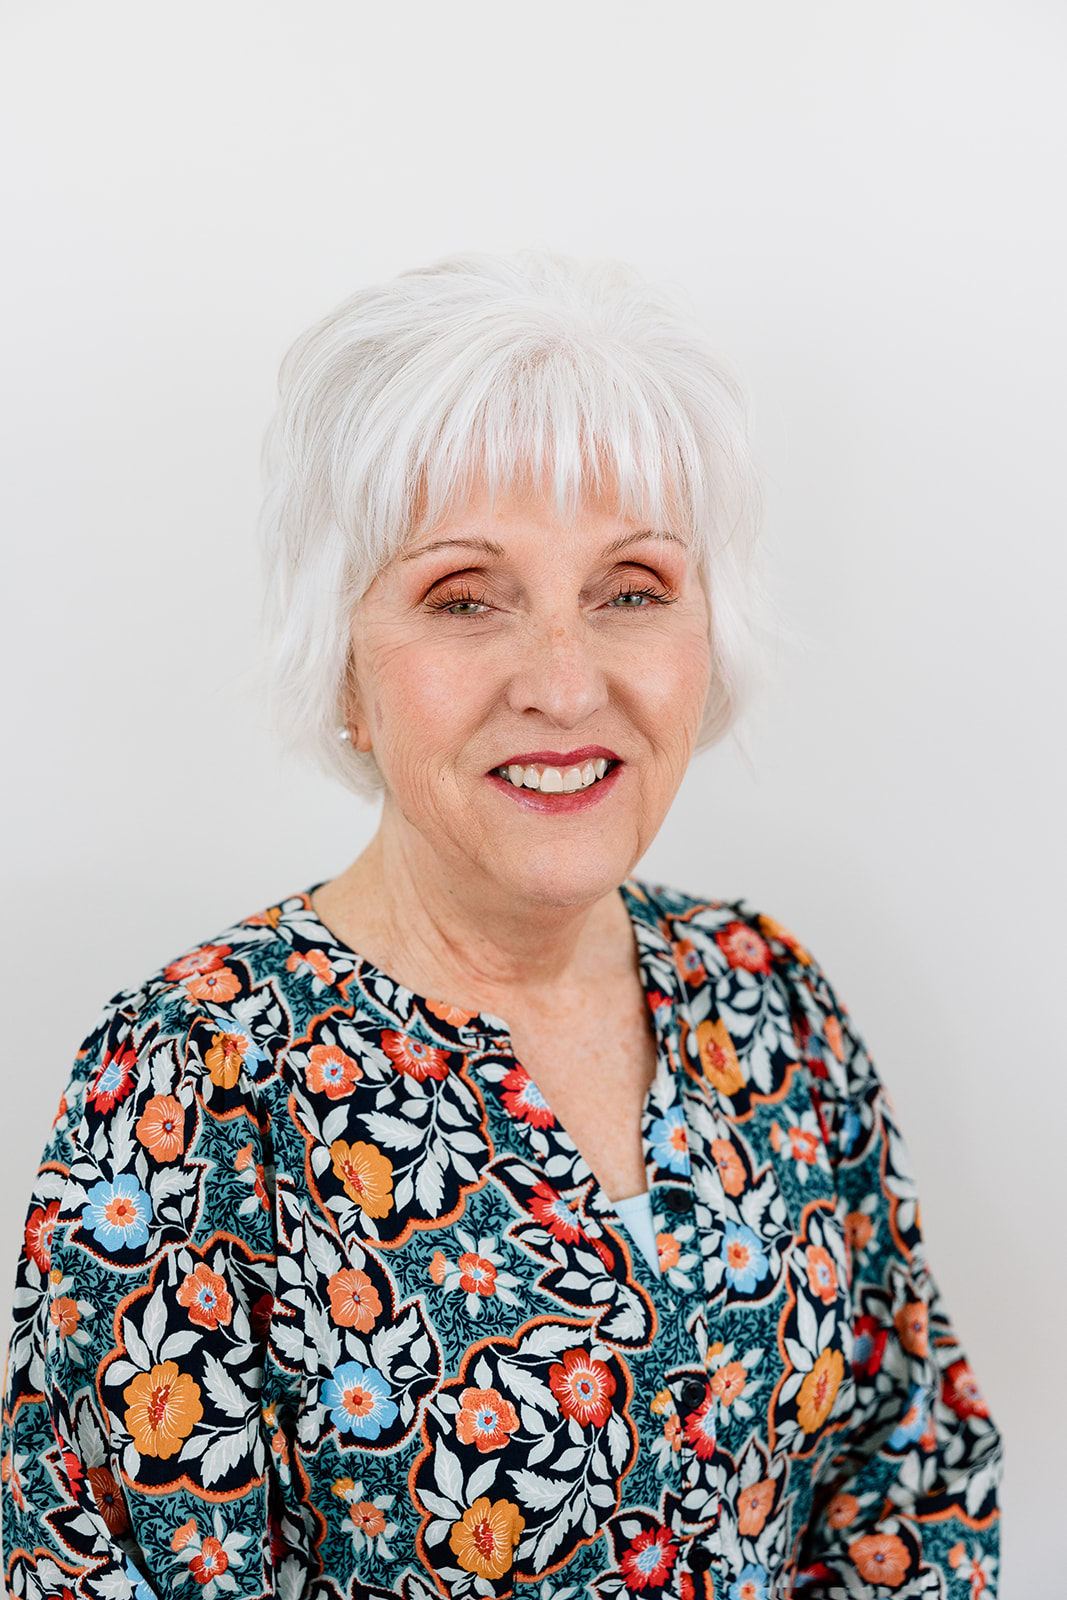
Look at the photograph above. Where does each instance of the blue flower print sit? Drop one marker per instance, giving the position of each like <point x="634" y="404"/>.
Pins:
<point x="358" y="1400"/>
<point x="850" y="1130"/>
<point x="745" y="1261"/>
<point x="141" y="1589"/>
<point x="118" y="1213"/>
<point x="670" y="1141"/>
<point x="912" y="1424"/>
<point x="751" y="1584"/>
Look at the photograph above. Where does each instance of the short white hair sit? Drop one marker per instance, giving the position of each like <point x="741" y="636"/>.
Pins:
<point x="533" y="368"/>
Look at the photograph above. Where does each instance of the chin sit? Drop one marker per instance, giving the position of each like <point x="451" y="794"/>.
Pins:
<point x="563" y="875"/>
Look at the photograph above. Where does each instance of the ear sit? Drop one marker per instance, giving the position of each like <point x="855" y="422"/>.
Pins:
<point x="355" y="718"/>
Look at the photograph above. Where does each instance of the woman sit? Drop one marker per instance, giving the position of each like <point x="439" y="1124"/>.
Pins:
<point x="337" y="1283"/>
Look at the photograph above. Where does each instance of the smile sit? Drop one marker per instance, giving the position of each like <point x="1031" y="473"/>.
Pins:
<point x="555" y="780"/>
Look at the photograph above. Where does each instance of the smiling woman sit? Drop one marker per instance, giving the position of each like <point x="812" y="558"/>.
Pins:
<point x="338" y="1284"/>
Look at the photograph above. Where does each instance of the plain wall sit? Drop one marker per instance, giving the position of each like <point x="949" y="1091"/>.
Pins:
<point x="867" y="202"/>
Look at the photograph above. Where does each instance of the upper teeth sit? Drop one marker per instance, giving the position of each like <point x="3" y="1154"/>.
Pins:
<point x="554" y="780"/>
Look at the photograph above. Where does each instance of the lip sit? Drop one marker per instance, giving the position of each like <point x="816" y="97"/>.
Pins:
<point x="556" y="758"/>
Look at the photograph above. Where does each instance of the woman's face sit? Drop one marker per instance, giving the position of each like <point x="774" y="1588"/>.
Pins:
<point x="531" y="691"/>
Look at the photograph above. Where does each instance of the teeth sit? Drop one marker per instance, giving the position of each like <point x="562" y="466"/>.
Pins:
<point x="554" y="780"/>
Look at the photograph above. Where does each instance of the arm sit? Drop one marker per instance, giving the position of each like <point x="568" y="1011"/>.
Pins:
<point x="910" y="1491"/>
<point x="133" y="1453"/>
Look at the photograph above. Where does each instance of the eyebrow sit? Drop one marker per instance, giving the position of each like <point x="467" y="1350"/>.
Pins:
<point x="489" y="547"/>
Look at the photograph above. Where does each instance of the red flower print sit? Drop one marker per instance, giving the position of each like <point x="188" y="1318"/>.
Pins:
<point x="583" y="1388"/>
<point x="960" y="1391"/>
<point x="834" y="1037"/>
<point x="731" y="1167"/>
<point x="259" y="1317"/>
<point x="648" y="1560"/>
<point x="753" y="1507"/>
<point x="331" y="1072"/>
<point x="113" y="1081"/>
<point x="822" y="1274"/>
<point x="524" y="1099"/>
<point x="161" y="1128"/>
<point x="774" y="930"/>
<point x="868" y="1346"/>
<point x="208" y="958"/>
<point x="218" y="985"/>
<point x="552" y="1212"/>
<point x="206" y="1298"/>
<point x="700" y="1429"/>
<point x="485" y="1419"/>
<point x="211" y="1560"/>
<point x="40" y="1227"/>
<point x="912" y="1325"/>
<point x="413" y="1058"/>
<point x="880" y="1558"/>
<point x="743" y="947"/>
<point x="108" y="1497"/>
<point x="476" y="1274"/>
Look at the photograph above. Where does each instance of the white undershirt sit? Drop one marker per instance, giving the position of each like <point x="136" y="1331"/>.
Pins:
<point x="635" y="1214"/>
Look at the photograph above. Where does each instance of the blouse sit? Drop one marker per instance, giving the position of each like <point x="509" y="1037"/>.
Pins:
<point x="318" y="1297"/>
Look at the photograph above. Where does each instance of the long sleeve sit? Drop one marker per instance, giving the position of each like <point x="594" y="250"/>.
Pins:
<point x="134" y="1453"/>
<point x="908" y="1498"/>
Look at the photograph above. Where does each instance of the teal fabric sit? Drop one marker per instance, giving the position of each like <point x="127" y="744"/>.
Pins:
<point x="318" y="1297"/>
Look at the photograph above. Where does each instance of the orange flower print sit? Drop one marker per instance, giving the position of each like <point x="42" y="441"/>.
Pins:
<point x="354" y="1301"/>
<point x="64" y="1314"/>
<point x="438" y="1267"/>
<point x="668" y="1250"/>
<point x="880" y="1558"/>
<point x="223" y="1059"/>
<point x="206" y="1298"/>
<point x="331" y="1072"/>
<point x="161" y="1128"/>
<point x="731" y="1167"/>
<point x="819" y="1390"/>
<point x="450" y="1014"/>
<point x="210" y="1561"/>
<point x="842" y="1510"/>
<point x="834" y="1038"/>
<point x="413" y="1058"/>
<point x="219" y="985"/>
<point x="208" y="958"/>
<point x="912" y="1325"/>
<point x="753" y="1507"/>
<point x="40" y="1226"/>
<point x="184" y="1535"/>
<point x="485" y="1419"/>
<point x="803" y="1145"/>
<point x="316" y="960"/>
<point x="367" y="1519"/>
<point x="672" y="1431"/>
<point x="162" y="1409"/>
<point x="108" y="1497"/>
<point x="484" y="1539"/>
<point x="477" y="1275"/>
<point x="858" y="1230"/>
<point x="718" y="1057"/>
<point x="774" y="930"/>
<point x="661" y="1403"/>
<point x="367" y="1176"/>
<point x="243" y="1159"/>
<point x="743" y="947"/>
<point x="688" y="961"/>
<point x="728" y="1382"/>
<point x="583" y="1388"/>
<point x="822" y="1274"/>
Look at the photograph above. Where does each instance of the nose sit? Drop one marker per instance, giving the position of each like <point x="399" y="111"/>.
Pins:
<point x="556" y="673"/>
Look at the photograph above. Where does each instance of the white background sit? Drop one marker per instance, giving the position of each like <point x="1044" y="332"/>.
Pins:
<point x="868" y="203"/>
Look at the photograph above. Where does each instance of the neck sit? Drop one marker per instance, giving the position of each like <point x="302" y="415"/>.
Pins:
<point x="462" y="939"/>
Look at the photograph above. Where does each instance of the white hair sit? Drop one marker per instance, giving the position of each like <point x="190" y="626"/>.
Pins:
<point x="533" y="368"/>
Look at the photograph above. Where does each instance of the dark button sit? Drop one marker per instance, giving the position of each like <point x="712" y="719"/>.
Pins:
<point x="694" y="1393"/>
<point x="698" y="1559"/>
<point x="677" y="1200"/>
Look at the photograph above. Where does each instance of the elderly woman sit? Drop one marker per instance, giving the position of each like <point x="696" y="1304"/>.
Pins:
<point x="484" y="1218"/>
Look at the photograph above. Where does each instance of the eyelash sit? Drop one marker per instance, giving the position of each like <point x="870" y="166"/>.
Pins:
<point x="463" y="597"/>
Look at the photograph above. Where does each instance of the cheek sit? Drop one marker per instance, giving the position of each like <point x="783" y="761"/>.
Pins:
<point x="426" y="703"/>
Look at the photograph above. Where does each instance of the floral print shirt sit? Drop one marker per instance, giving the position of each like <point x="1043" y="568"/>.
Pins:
<point x="319" y="1298"/>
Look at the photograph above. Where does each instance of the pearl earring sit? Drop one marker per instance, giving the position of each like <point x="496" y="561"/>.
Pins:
<point x="344" y="736"/>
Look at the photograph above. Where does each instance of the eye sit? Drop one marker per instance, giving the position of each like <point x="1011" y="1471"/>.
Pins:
<point x="457" y="601"/>
<point x="638" y="599"/>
